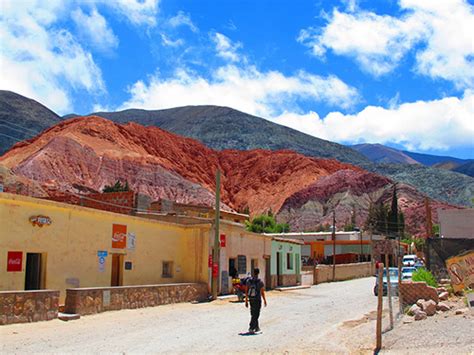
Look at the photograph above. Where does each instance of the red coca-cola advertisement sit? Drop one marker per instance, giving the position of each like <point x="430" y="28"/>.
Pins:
<point x="215" y="270"/>
<point x="222" y="239"/>
<point x="14" y="261"/>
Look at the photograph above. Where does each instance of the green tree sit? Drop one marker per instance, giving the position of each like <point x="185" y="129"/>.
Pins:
<point x="392" y="217"/>
<point x="266" y="224"/>
<point x="117" y="187"/>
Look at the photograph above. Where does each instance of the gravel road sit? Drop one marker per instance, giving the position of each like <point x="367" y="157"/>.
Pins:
<point x="295" y="321"/>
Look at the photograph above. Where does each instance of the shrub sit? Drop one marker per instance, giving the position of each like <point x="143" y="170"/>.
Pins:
<point x="424" y="275"/>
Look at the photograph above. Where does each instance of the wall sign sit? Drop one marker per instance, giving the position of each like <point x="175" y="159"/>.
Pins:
<point x="14" y="261"/>
<point x="222" y="240"/>
<point x="40" y="221"/>
<point x="128" y="265"/>
<point x="119" y="236"/>
<point x="131" y="241"/>
<point x="209" y="262"/>
<point x="101" y="255"/>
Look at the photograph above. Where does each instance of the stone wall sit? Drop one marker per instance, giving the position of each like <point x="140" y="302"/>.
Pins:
<point x="323" y="273"/>
<point x="28" y="306"/>
<point x="413" y="291"/>
<point x="101" y="299"/>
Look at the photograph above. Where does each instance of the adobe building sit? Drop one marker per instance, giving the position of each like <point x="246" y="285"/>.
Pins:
<point x="286" y="262"/>
<point x="51" y="245"/>
<point x="318" y="246"/>
<point x="239" y="249"/>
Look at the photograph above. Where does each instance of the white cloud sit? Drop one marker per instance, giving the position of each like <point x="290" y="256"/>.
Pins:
<point x="95" y="29"/>
<point x="138" y="12"/>
<point x="225" y="48"/>
<point x="440" y="32"/>
<point x="169" y="42"/>
<point x="182" y="19"/>
<point x="422" y="125"/>
<point x="243" y="88"/>
<point x="41" y="61"/>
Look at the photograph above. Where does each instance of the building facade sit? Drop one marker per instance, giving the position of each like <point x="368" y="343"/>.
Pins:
<point x="51" y="245"/>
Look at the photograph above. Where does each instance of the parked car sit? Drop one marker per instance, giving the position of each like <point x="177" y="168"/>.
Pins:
<point x="407" y="272"/>
<point x="393" y="282"/>
<point x="409" y="260"/>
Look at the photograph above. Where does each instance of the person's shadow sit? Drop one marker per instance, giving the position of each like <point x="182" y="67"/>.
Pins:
<point x="249" y="333"/>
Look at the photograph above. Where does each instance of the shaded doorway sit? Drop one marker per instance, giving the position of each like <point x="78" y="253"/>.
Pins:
<point x="268" y="273"/>
<point x="117" y="267"/>
<point x="33" y="271"/>
<point x="278" y="254"/>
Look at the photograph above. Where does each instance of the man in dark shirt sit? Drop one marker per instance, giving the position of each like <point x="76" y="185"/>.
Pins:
<point x="254" y="293"/>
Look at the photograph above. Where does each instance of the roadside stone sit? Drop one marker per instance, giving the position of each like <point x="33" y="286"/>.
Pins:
<point x="442" y="307"/>
<point x="420" y="315"/>
<point x="461" y="311"/>
<point x="441" y="290"/>
<point x="413" y="309"/>
<point x="419" y="303"/>
<point x="429" y="307"/>
<point x="443" y="296"/>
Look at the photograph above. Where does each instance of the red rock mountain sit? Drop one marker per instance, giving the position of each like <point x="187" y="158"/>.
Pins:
<point x="87" y="153"/>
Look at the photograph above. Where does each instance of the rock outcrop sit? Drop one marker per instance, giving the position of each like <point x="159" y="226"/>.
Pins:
<point x="86" y="153"/>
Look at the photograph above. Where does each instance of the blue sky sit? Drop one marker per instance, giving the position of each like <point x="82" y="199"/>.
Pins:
<point x="400" y="73"/>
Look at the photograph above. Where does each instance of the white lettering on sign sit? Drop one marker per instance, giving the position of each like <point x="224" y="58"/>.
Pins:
<point x="119" y="237"/>
<point x="16" y="261"/>
<point x="40" y="221"/>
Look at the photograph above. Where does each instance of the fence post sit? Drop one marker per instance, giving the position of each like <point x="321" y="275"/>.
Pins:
<point x="379" y="308"/>
<point x="400" y="300"/>
<point x="389" y="290"/>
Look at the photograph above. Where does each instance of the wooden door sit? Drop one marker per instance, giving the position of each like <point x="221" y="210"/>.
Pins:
<point x="117" y="267"/>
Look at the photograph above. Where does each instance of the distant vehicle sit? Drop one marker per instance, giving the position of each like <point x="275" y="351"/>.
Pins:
<point x="409" y="260"/>
<point x="407" y="272"/>
<point x="419" y="263"/>
<point x="393" y="282"/>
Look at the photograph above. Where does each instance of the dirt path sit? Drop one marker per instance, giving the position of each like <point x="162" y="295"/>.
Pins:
<point x="293" y="321"/>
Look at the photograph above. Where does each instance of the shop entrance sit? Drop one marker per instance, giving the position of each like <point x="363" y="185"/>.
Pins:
<point x="117" y="270"/>
<point x="33" y="271"/>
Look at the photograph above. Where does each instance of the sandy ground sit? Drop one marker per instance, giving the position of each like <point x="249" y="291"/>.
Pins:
<point x="329" y="318"/>
<point x="294" y="321"/>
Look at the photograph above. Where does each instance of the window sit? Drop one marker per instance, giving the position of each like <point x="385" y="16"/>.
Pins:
<point x="289" y="261"/>
<point x="242" y="264"/>
<point x="167" y="269"/>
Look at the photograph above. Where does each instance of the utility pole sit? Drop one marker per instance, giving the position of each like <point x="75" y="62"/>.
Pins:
<point x="334" y="245"/>
<point x="429" y="222"/>
<point x="216" y="249"/>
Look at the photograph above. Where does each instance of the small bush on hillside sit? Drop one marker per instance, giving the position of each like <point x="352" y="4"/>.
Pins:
<point x="424" y="275"/>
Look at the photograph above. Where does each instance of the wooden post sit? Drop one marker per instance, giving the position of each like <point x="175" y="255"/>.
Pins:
<point x="379" y="309"/>
<point x="400" y="300"/>
<point x="216" y="249"/>
<point x="333" y="245"/>
<point x="389" y="290"/>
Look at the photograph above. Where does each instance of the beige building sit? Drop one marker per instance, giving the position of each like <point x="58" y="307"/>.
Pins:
<point x="456" y="223"/>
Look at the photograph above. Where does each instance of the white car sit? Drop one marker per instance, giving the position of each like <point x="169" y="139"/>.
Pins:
<point x="409" y="260"/>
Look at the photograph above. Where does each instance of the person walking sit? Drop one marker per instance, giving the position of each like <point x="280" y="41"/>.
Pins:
<point x="254" y="293"/>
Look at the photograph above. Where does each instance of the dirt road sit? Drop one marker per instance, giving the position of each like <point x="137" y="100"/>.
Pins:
<point x="302" y="320"/>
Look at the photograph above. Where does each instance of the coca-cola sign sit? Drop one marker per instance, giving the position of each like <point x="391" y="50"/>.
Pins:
<point x="119" y="236"/>
<point x="40" y="220"/>
<point x="14" y="261"/>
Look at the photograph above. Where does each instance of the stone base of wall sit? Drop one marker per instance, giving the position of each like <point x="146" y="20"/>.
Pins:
<point x="288" y="280"/>
<point x="413" y="291"/>
<point x="101" y="299"/>
<point x="28" y="306"/>
<point x="323" y="273"/>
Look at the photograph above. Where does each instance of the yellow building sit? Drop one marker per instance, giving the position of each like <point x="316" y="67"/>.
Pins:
<point x="51" y="245"/>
